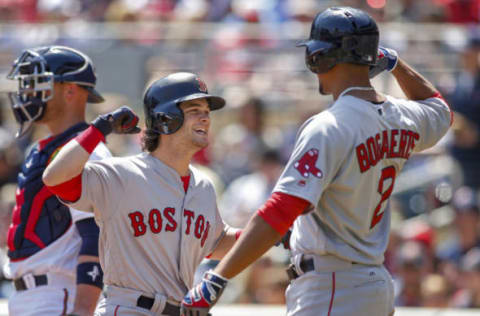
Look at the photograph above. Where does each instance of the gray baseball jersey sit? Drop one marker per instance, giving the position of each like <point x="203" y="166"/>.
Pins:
<point x="153" y="235"/>
<point x="345" y="162"/>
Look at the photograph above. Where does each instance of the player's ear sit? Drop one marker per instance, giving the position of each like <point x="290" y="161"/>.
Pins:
<point x="69" y="91"/>
<point x="73" y="91"/>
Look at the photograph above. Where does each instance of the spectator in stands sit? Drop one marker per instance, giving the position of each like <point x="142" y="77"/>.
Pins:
<point x="238" y="144"/>
<point x="266" y="283"/>
<point x="10" y="158"/>
<point x="435" y="290"/>
<point x="466" y="223"/>
<point x="247" y="193"/>
<point x="465" y="100"/>
<point x="469" y="296"/>
<point x="411" y="261"/>
<point x="461" y="11"/>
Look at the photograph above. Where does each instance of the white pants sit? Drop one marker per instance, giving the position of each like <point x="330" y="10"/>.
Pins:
<point x="54" y="299"/>
<point x="123" y="301"/>
<point x="341" y="289"/>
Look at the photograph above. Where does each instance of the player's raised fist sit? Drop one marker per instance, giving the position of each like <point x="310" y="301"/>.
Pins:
<point x="386" y="60"/>
<point x="120" y="121"/>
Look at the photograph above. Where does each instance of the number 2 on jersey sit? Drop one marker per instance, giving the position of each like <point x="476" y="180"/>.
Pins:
<point x="387" y="173"/>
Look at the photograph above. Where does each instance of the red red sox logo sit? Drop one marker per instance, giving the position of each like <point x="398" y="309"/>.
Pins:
<point x="202" y="86"/>
<point x="306" y="164"/>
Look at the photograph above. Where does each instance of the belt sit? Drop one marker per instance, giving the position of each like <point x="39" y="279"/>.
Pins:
<point x="147" y="303"/>
<point x="305" y="265"/>
<point x="29" y="281"/>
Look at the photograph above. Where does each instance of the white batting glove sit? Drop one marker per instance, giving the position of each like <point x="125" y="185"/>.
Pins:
<point x="387" y="59"/>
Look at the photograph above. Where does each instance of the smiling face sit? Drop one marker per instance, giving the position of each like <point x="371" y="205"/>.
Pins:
<point x="196" y="124"/>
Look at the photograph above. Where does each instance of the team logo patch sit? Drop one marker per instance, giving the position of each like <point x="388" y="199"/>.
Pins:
<point x="306" y="164"/>
<point x="94" y="273"/>
<point x="202" y="86"/>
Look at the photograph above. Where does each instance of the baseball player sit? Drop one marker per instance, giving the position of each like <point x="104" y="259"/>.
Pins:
<point x="52" y="250"/>
<point x="157" y="214"/>
<point x="336" y="186"/>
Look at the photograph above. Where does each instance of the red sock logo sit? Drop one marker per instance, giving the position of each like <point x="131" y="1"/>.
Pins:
<point x="306" y="164"/>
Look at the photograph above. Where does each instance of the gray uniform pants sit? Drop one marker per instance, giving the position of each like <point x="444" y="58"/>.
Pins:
<point x="340" y="288"/>
<point x="122" y="301"/>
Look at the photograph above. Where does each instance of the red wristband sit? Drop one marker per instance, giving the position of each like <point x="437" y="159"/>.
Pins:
<point x="90" y="138"/>
<point x="237" y="234"/>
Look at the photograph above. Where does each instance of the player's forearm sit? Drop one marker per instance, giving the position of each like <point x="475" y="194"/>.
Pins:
<point x="87" y="295"/>
<point x="224" y="245"/>
<point x="255" y="240"/>
<point x="67" y="164"/>
<point x="413" y="84"/>
<point x="86" y="299"/>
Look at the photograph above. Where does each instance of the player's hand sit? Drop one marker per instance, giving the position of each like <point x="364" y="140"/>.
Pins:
<point x="386" y="60"/>
<point x="120" y="121"/>
<point x="204" y="295"/>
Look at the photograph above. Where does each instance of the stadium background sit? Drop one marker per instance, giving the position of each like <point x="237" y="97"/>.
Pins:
<point x="245" y="51"/>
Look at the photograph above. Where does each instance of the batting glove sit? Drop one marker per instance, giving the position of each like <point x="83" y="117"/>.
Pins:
<point x="204" y="295"/>
<point x="387" y="59"/>
<point x="120" y="121"/>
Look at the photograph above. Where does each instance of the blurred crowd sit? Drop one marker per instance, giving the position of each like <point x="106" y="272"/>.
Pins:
<point x="35" y="11"/>
<point x="434" y="251"/>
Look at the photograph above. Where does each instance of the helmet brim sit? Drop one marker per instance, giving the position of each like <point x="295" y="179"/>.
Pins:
<point x="94" y="96"/>
<point x="214" y="102"/>
<point x="315" y="46"/>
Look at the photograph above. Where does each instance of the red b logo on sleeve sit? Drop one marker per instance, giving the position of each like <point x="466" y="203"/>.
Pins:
<point x="306" y="164"/>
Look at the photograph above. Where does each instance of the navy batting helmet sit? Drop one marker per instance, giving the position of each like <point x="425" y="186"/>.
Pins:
<point x="36" y="71"/>
<point x="162" y="98"/>
<point x="341" y="35"/>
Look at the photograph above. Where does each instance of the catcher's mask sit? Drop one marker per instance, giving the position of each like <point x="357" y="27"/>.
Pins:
<point x="36" y="71"/>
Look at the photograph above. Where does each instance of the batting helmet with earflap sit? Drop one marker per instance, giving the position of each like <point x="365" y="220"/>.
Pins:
<point x="341" y="35"/>
<point x="163" y="97"/>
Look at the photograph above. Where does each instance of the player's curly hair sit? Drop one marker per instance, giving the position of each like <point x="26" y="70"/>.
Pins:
<point x="150" y="140"/>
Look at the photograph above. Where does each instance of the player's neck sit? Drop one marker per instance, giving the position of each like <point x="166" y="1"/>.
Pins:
<point x="345" y="76"/>
<point x="354" y="87"/>
<point x="179" y="160"/>
<point x="61" y="124"/>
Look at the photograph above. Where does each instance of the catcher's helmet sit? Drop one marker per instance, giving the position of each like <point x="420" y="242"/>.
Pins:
<point x="162" y="98"/>
<point x="341" y="35"/>
<point x="37" y="69"/>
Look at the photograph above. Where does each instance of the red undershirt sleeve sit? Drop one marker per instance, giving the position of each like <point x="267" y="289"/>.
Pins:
<point x="281" y="210"/>
<point x="440" y="96"/>
<point x="70" y="190"/>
